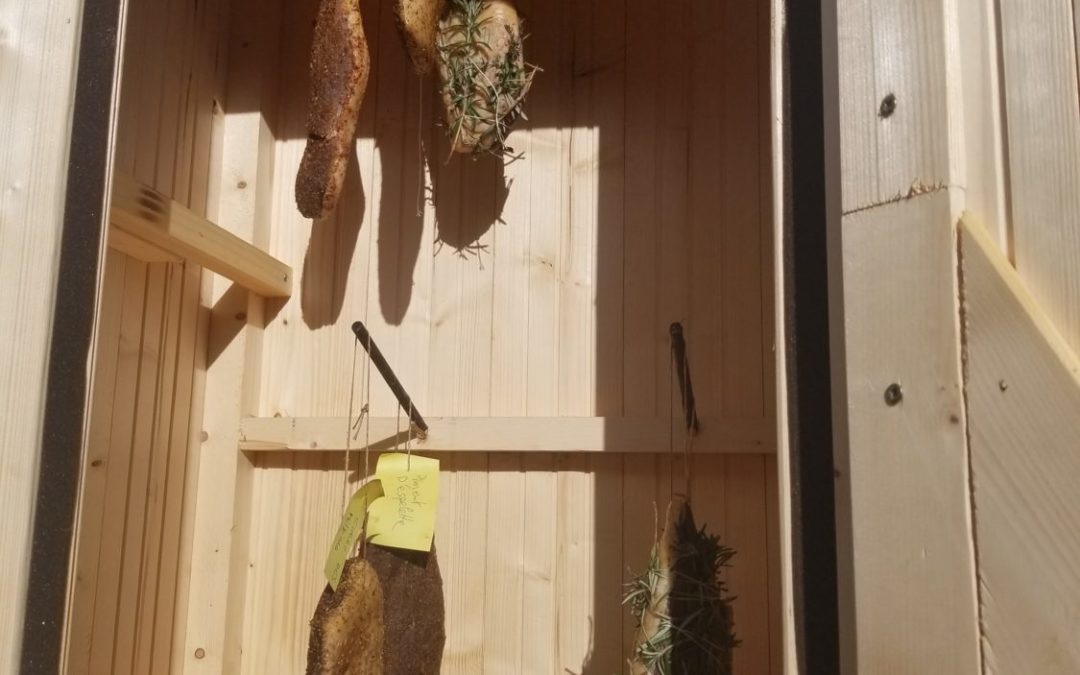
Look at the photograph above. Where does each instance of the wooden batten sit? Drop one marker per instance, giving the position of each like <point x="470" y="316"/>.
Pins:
<point x="149" y="226"/>
<point x="1023" y="391"/>
<point x="506" y="434"/>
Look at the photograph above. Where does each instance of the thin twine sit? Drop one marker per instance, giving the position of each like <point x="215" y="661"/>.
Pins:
<point x="420" y="149"/>
<point x="408" y="440"/>
<point x="671" y="424"/>
<point x="367" y="433"/>
<point x="349" y="428"/>
<point x="367" y="409"/>
<point x="688" y="443"/>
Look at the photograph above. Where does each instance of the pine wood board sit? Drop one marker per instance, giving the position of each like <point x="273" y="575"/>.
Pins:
<point x="158" y="223"/>
<point x="1041" y="98"/>
<point x="129" y="534"/>
<point x="505" y="434"/>
<point x="38" y="75"/>
<point x="902" y="504"/>
<point x="1023" y="391"/>
<point x="95" y="474"/>
<point x="905" y="50"/>
<point x="209" y="620"/>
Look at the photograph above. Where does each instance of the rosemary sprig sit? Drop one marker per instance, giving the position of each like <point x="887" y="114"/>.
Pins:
<point x="484" y="90"/>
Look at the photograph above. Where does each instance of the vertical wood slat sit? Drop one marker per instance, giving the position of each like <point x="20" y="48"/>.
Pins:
<point x="95" y="474"/>
<point x="141" y="449"/>
<point x="902" y="499"/>
<point x="902" y="475"/>
<point x="208" y="626"/>
<point x="905" y="50"/>
<point x="746" y="531"/>
<point x="113" y="510"/>
<point x="1042" y="100"/>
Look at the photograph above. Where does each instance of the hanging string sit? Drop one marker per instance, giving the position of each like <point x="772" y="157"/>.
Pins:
<point x="349" y="428"/>
<point x="671" y="425"/>
<point x="408" y="440"/>
<point x="420" y="150"/>
<point x="367" y="411"/>
<point x="692" y="423"/>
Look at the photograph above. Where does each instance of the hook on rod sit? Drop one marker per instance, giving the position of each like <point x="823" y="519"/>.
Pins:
<point x="362" y="334"/>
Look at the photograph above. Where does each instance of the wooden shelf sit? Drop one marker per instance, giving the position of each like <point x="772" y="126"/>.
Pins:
<point x="147" y="225"/>
<point x="508" y="434"/>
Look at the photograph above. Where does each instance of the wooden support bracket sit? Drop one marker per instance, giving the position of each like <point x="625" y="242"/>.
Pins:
<point x="509" y="434"/>
<point x="147" y="225"/>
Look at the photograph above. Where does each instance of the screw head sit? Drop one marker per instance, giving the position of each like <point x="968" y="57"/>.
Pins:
<point x="888" y="106"/>
<point x="200" y="653"/>
<point x="894" y="393"/>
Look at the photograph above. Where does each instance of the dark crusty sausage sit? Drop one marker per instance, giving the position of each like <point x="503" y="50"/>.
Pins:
<point x="340" y="65"/>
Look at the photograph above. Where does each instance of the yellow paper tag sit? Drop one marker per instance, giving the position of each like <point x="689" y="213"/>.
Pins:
<point x="349" y="531"/>
<point x="405" y="516"/>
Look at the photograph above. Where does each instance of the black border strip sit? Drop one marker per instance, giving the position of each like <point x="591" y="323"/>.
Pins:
<point x="806" y="317"/>
<point x="72" y="332"/>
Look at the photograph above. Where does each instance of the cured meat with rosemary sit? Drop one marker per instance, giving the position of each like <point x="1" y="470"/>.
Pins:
<point x="483" y="73"/>
<point x="680" y="604"/>
<point x="340" y="65"/>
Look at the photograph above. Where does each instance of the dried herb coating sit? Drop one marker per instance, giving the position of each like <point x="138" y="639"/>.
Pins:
<point x="681" y="605"/>
<point x="347" y="631"/>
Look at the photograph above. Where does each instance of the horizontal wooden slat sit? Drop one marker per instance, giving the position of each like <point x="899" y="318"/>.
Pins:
<point x="138" y="248"/>
<point x="508" y="434"/>
<point x="140" y="213"/>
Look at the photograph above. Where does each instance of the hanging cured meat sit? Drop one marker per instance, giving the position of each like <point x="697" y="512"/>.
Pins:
<point x="680" y="603"/>
<point x="347" y="631"/>
<point x="340" y="65"/>
<point x="418" y="22"/>
<point x="483" y="73"/>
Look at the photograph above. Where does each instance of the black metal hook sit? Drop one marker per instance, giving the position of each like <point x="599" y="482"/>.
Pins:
<point x="682" y="372"/>
<point x="387" y="373"/>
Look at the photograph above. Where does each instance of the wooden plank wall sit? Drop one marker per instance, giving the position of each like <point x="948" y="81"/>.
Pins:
<point x="150" y="349"/>
<point x="963" y="484"/>
<point x="545" y="288"/>
<point x="1024" y="414"/>
<point x="37" y="73"/>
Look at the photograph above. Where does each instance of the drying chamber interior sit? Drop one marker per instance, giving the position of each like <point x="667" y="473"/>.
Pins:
<point x="542" y="287"/>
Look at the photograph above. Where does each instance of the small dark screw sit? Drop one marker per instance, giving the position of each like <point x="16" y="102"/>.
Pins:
<point x="888" y="106"/>
<point x="200" y="653"/>
<point x="242" y="184"/>
<point x="1003" y="385"/>
<point x="893" y="394"/>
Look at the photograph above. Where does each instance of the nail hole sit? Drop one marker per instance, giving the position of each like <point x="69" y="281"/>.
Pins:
<point x="1003" y="385"/>
<point x="893" y="394"/>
